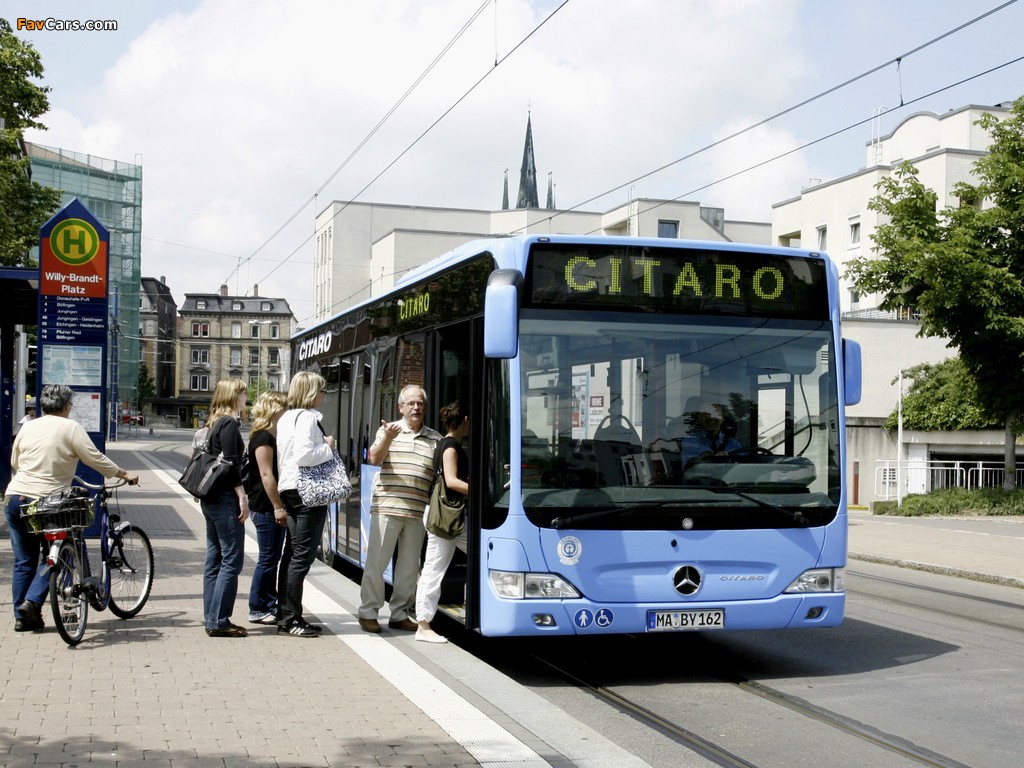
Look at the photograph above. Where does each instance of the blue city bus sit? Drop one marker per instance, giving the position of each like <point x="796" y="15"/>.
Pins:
<point x="601" y="499"/>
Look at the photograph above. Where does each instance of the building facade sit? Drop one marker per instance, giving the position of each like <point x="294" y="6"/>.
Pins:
<point x="362" y="248"/>
<point x="833" y="216"/>
<point x="222" y="336"/>
<point x="158" y="334"/>
<point x="112" y="191"/>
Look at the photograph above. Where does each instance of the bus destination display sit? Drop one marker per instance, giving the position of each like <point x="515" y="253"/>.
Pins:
<point x="677" y="280"/>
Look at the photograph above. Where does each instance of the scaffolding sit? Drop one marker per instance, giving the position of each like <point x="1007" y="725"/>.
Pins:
<point x="112" y="191"/>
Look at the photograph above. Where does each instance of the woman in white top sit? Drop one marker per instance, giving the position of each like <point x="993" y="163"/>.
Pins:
<point x="300" y="442"/>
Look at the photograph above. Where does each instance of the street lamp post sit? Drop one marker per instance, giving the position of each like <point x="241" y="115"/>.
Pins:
<point x="899" y="444"/>
<point x="259" y="351"/>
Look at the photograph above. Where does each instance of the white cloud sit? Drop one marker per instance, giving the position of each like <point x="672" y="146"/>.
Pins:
<point x="742" y="179"/>
<point x="241" y="110"/>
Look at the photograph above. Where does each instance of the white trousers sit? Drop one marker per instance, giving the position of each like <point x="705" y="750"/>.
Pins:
<point x="386" y="533"/>
<point x="435" y="563"/>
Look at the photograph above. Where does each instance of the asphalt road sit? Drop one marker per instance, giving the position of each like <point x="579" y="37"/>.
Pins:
<point x="926" y="670"/>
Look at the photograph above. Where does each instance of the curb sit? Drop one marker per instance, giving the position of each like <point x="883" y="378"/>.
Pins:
<point x="942" y="570"/>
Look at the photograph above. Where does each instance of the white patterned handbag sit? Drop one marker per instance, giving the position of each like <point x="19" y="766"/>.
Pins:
<point x="321" y="484"/>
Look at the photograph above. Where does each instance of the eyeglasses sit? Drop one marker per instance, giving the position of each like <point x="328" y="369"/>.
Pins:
<point x="414" y="404"/>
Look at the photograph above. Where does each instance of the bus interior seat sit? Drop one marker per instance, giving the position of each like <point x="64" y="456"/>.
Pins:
<point x="613" y="460"/>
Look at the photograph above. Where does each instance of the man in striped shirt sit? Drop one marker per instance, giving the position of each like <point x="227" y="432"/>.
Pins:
<point x="404" y="451"/>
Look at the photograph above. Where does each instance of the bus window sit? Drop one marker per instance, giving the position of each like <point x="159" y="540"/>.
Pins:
<point x="581" y="377"/>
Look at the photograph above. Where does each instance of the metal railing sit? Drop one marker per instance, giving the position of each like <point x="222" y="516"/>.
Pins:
<point x="927" y="476"/>
<point x="903" y="313"/>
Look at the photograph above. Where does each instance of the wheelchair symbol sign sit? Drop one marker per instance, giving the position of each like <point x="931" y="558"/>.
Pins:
<point x="585" y="618"/>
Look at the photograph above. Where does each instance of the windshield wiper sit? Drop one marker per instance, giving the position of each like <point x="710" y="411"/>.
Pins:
<point x="565" y="522"/>
<point x="789" y="514"/>
<point x="793" y="515"/>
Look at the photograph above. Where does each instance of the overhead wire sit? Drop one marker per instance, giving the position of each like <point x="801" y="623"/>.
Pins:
<point x="405" y="95"/>
<point x="755" y="166"/>
<point x="247" y="260"/>
<point x="764" y="121"/>
<point x="370" y="135"/>
<point x="826" y="137"/>
<point x="429" y="128"/>
<point x="896" y="60"/>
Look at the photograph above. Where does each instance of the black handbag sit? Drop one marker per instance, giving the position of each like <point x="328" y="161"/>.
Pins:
<point x="203" y="470"/>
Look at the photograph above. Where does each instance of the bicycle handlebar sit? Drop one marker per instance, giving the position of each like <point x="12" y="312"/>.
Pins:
<point x="118" y="482"/>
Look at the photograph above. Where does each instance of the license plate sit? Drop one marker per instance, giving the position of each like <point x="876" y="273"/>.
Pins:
<point x="681" y="621"/>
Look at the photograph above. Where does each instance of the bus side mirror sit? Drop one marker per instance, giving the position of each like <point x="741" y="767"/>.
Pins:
<point x="851" y="371"/>
<point x="501" y="313"/>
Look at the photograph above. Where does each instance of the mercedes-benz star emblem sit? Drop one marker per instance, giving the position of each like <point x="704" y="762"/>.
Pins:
<point x="686" y="580"/>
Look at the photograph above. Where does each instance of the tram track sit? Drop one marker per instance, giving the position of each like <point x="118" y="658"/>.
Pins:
<point x="720" y="755"/>
<point x="937" y="591"/>
<point x="687" y="738"/>
<point x="874" y="736"/>
<point x="173" y="456"/>
<point x="712" y="747"/>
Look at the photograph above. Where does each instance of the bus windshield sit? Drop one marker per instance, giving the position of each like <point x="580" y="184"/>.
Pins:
<point x="640" y="421"/>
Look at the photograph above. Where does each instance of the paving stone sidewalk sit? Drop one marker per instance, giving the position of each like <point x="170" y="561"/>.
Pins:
<point x="156" y="691"/>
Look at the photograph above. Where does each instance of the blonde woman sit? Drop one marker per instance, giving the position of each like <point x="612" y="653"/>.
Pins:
<point x="300" y="442"/>
<point x="225" y="508"/>
<point x="265" y="505"/>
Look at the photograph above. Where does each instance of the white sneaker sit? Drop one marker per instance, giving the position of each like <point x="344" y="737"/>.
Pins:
<point x="262" y="618"/>
<point x="429" y="636"/>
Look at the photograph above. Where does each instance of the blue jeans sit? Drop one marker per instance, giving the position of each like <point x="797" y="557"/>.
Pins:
<point x="29" y="581"/>
<point x="225" y="552"/>
<point x="305" y="527"/>
<point x="270" y="536"/>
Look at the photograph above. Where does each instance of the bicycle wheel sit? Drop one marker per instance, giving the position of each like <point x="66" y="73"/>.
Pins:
<point x="131" y="571"/>
<point x="67" y="596"/>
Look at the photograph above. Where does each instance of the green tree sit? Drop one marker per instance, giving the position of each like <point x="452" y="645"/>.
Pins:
<point x="147" y="387"/>
<point x="941" y="397"/>
<point x="256" y="388"/>
<point x="962" y="268"/>
<point x="24" y="205"/>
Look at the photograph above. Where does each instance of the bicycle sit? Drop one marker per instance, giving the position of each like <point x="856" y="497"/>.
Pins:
<point x="126" y="558"/>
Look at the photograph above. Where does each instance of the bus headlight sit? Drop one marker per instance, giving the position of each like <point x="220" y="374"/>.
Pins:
<point x="819" y="580"/>
<point x="529" y="586"/>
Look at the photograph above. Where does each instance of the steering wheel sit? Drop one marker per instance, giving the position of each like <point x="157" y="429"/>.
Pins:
<point x="753" y="451"/>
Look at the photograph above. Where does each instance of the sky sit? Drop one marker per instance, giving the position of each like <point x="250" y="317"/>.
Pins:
<point x="249" y="117"/>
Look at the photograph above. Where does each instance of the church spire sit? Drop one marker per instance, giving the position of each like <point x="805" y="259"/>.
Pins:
<point x="528" y="173"/>
<point x="551" y="194"/>
<point x="504" y="197"/>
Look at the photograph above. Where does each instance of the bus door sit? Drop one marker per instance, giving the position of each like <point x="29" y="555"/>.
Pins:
<point x="346" y="407"/>
<point x="456" y="375"/>
<point x="333" y="423"/>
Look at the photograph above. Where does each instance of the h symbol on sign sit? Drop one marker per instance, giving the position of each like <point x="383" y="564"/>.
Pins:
<point x="79" y="241"/>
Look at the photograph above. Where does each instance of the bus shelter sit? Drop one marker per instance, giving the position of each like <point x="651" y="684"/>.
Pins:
<point x="19" y="305"/>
